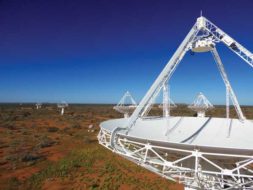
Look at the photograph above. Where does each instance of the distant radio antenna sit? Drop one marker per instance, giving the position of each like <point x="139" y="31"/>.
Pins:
<point x="126" y="104"/>
<point x="38" y="105"/>
<point x="62" y="106"/>
<point x="201" y="104"/>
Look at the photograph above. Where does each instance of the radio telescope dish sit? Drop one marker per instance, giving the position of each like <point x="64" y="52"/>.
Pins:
<point x="126" y="105"/>
<point x="62" y="106"/>
<point x="201" y="105"/>
<point x="200" y="152"/>
<point x="38" y="105"/>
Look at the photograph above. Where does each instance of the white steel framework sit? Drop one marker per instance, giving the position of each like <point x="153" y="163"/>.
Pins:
<point x="194" y="168"/>
<point x="166" y="100"/>
<point x="198" y="167"/>
<point x="126" y="104"/>
<point x="202" y="29"/>
<point x="201" y="104"/>
<point x="230" y="91"/>
<point x="167" y="103"/>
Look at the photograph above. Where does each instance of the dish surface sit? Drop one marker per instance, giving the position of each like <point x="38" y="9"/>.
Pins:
<point x="230" y="135"/>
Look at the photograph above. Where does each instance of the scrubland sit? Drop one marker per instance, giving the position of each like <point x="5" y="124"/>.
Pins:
<point x="40" y="149"/>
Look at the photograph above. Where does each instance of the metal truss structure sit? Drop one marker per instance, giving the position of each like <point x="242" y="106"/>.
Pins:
<point x="193" y="168"/>
<point x="197" y="167"/>
<point x="126" y="104"/>
<point x="167" y="103"/>
<point x="201" y="104"/>
<point x="202" y="30"/>
<point x="229" y="89"/>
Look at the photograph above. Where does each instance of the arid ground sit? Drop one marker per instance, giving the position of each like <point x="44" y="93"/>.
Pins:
<point x="40" y="149"/>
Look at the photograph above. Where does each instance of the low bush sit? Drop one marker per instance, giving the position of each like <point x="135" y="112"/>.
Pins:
<point x="28" y="156"/>
<point x="76" y="126"/>
<point x="66" y="129"/>
<point x="46" y="142"/>
<point x="13" y="183"/>
<point x="52" y="129"/>
<point x="26" y="114"/>
<point x="86" y="139"/>
<point x="9" y="126"/>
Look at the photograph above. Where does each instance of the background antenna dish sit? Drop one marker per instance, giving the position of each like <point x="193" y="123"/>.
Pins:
<point x="38" y="105"/>
<point x="201" y="104"/>
<point x="62" y="106"/>
<point x="126" y="104"/>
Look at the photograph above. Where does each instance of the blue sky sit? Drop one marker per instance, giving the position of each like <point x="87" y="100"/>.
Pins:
<point x="93" y="51"/>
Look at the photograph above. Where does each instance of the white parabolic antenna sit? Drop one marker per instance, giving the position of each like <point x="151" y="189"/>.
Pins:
<point x="38" y="105"/>
<point x="62" y="105"/>
<point x="200" y="105"/>
<point x="199" y="152"/>
<point x="126" y="104"/>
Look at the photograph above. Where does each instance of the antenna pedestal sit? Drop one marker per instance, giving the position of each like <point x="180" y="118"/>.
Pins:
<point x="62" y="106"/>
<point x="126" y="105"/>
<point x="201" y="114"/>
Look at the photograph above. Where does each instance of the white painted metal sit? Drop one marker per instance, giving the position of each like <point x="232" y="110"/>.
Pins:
<point x="167" y="72"/>
<point x="126" y="104"/>
<point x="62" y="106"/>
<point x="205" y="26"/>
<point x="200" y="152"/>
<point x="204" y="45"/>
<point x="227" y="84"/>
<point x="38" y="105"/>
<point x="227" y="102"/>
<point x="201" y="163"/>
<point x="166" y="100"/>
<point x="167" y="103"/>
<point x="233" y="45"/>
<point x="201" y="104"/>
<point x="202" y="132"/>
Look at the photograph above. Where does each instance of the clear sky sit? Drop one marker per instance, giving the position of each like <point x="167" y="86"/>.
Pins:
<point x="92" y="51"/>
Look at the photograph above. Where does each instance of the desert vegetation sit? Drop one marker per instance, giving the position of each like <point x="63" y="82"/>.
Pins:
<point x="40" y="149"/>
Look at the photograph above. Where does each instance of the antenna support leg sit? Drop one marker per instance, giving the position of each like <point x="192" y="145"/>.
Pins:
<point x="227" y="84"/>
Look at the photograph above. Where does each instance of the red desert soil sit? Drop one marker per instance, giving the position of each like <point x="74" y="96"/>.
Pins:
<point x="56" y="184"/>
<point x="22" y="174"/>
<point x="40" y="149"/>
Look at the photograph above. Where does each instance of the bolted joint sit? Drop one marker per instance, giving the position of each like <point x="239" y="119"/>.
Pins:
<point x="196" y="153"/>
<point x="201" y="23"/>
<point x="227" y="172"/>
<point x="148" y="146"/>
